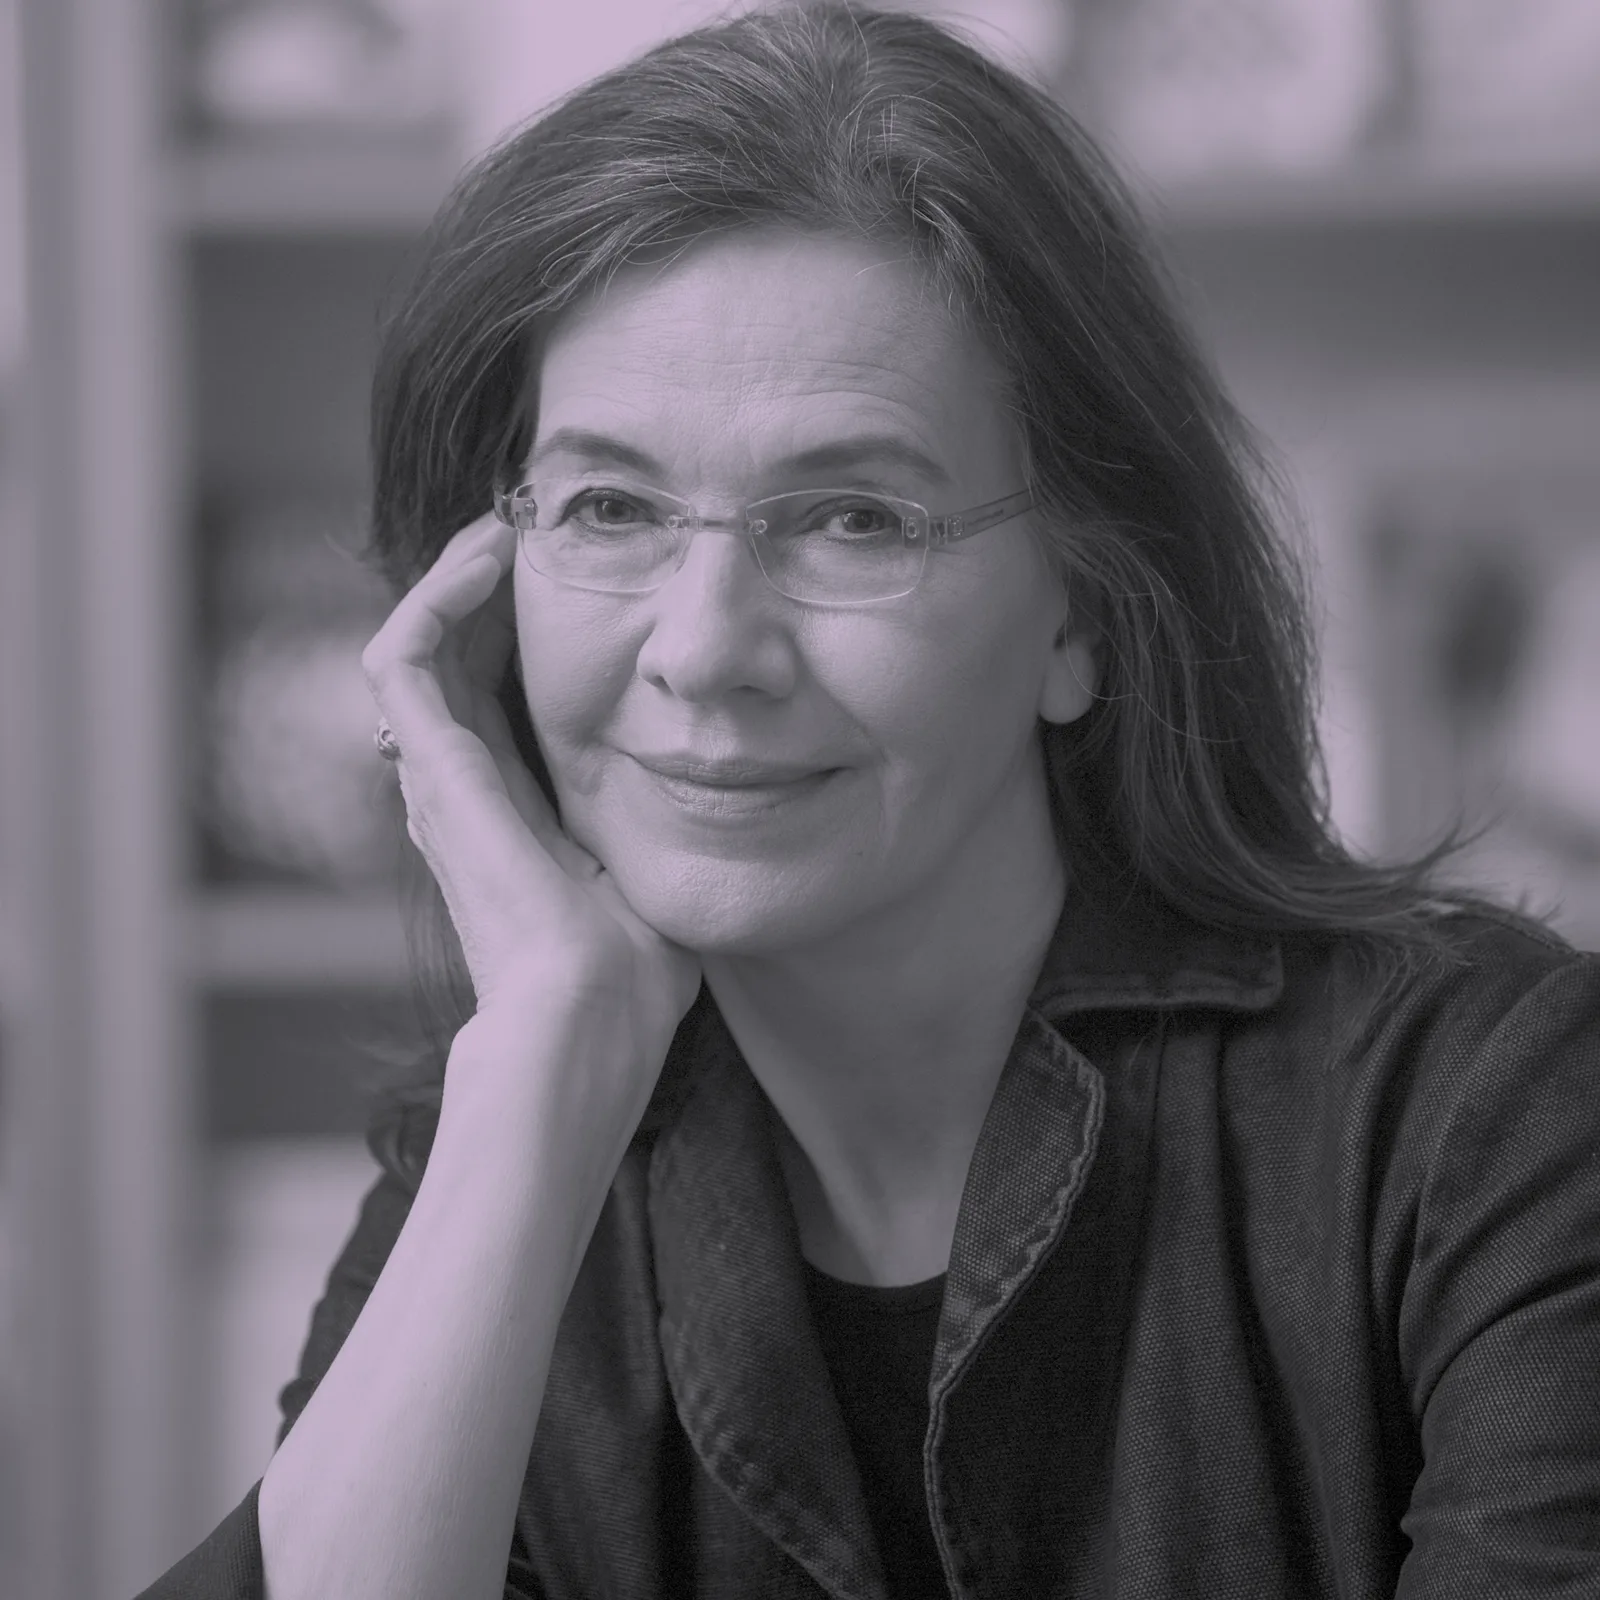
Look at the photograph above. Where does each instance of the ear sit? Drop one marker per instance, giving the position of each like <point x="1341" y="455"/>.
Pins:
<point x="1072" y="670"/>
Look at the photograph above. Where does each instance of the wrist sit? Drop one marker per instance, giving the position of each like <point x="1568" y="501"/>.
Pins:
<point x="547" y="1094"/>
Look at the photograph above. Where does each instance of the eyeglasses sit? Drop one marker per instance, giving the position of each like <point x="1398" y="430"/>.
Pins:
<point x="820" y="546"/>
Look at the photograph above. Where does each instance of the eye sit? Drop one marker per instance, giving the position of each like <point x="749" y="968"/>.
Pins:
<point x="866" y="519"/>
<point x="607" y="508"/>
<point x="853" y="519"/>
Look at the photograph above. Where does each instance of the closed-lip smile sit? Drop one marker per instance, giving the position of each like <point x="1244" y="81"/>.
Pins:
<point x="729" y="774"/>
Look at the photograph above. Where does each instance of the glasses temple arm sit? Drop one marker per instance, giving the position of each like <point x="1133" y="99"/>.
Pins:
<point x="962" y="525"/>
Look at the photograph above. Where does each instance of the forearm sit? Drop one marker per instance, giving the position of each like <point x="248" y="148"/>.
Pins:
<point x="401" y="1476"/>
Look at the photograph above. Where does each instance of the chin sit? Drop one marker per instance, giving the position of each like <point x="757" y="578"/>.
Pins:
<point x="728" y="908"/>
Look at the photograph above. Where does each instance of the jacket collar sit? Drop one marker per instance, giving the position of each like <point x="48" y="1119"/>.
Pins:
<point x="1138" y="952"/>
<point x="1130" y="954"/>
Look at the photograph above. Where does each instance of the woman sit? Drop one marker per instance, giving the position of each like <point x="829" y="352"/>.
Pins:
<point x="937" y="1112"/>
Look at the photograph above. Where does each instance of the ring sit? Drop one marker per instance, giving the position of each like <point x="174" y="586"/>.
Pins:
<point x="388" y="745"/>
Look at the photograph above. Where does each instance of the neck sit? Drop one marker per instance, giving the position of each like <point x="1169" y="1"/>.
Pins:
<point x="880" y="1050"/>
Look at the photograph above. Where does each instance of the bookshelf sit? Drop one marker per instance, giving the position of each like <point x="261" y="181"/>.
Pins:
<point x="308" y="186"/>
<point x="122" y="964"/>
<point x="311" y="186"/>
<point x="1507" y="186"/>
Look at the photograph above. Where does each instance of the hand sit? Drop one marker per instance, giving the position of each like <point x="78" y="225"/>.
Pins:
<point x="539" y="918"/>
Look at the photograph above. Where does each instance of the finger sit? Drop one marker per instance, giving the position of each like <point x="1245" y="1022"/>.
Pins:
<point x="455" y="789"/>
<point x="401" y="660"/>
<point x="491" y="637"/>
<point x="475" y="679"/>
<point x="488" y="719"/>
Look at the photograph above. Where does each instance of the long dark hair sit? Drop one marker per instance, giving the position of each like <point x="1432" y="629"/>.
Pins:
<point x="1197" y="776"/>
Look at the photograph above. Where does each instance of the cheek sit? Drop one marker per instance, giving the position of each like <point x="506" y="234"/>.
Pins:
<point x="937" y="735"/>
<point x="962" y="676"/>
<point x="574" y="668"/>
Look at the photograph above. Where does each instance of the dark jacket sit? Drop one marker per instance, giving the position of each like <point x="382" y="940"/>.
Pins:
<point x="1264" y="1284"/>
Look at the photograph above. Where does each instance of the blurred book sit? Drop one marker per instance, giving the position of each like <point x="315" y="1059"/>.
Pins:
<point x="1189" y="88"/>
<point x="1483" y="72"/>
<point x="277" y="66"/>
<point x="288" y="787"/>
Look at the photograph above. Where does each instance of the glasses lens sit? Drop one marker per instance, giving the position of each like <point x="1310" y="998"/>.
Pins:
<point x="826" y="545"/>
<point x="838" y="545"/>
<point x="616" y="540"/>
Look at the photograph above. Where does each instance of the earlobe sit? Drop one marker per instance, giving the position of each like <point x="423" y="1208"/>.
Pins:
<point x="1072" y="674"/>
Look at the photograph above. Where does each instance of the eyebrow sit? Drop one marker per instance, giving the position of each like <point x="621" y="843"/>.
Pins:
<point x="838" y="453"/>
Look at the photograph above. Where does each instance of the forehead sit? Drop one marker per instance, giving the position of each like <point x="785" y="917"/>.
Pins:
<point x="757" y="337"/>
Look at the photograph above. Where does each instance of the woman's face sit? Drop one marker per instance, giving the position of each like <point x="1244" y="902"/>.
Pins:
<point x="915" y="717"/>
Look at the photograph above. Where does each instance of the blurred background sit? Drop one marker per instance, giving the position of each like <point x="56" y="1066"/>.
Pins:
<point x="1384" y="216"/>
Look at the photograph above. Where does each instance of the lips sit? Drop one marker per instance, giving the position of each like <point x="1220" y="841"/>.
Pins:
<point x="736" y="774"/>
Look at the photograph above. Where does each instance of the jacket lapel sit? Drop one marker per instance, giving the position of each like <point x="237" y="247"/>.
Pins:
<point x="1025" y="1379"/>
<point x="1019" y="1453"/>
<point x="747" y="1376"/>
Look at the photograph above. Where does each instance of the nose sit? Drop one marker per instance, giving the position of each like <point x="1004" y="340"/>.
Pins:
<point x="715" y="624"/>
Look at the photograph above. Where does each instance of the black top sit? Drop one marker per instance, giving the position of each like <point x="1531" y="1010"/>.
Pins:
<point x="878" y="1344"/>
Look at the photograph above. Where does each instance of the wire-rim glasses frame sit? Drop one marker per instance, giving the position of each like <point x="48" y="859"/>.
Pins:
<point x="517" y="507"/>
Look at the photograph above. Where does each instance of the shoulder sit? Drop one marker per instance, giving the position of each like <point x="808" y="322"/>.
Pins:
<point x="1399" y="1068"/>
<point x="1485" y="969"/>
<point x="1484" y="1057"/>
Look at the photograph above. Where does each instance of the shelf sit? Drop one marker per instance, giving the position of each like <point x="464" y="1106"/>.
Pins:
<point x="309" y="186"/>
<point x="257" y="939"/>
<point x="325" y="186"/>
<point x="1395" y="186"/>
